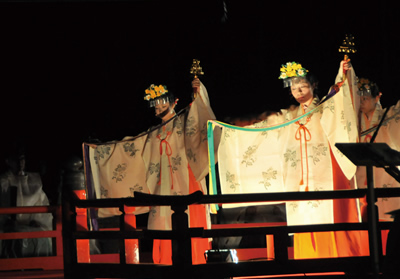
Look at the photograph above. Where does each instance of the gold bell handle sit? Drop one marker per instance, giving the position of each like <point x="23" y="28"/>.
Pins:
<point x="196" y="70"/>
<point x="348" y="46"/>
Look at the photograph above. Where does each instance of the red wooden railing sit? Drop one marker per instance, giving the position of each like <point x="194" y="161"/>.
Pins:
<point x="54" y="262"/>
<point x="279" y="263"/>
<point x="76" y="230"/>
<point x="99" y="266"/>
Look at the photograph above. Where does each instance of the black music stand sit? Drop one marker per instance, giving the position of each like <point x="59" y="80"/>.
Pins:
<point x="373" y="155"/>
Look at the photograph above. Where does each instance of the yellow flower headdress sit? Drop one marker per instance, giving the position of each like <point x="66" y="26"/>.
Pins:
<point x="157" y="94"/>
<point x="367" y="87"/>
<point x="291" y="70"/>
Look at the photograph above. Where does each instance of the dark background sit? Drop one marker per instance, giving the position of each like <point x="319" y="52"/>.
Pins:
<point x="73" y="71"/>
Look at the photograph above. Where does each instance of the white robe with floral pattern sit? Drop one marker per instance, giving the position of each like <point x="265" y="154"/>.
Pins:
<point x="296" y="156"/>
<point x="156" y="162"/>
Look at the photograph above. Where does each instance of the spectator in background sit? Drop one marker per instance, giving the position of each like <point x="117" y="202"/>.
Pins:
<point x="20" y="187"/>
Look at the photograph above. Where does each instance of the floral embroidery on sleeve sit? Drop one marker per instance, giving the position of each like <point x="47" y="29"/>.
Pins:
<point x="293" y="206"/>
<point x="203" y="133"/>
<point x="319" y="110"/>
<point x="329" y="105"/>
<point x="191" y="128"/>
<point x="154" y="168"/>
<point x="268" y="176"/>
<point x="103" y="192"/>
<point x="130" y="148"/>
<point x="100" y="152"/>
<point x="178" y="127"/>
<point x="176" y="161"/>
<point x="318" y="151"/>
<point x="315" y="203"/>
<point x="290" y="156"/>
<point x="191" y="155"/>
<point x="153" y="211"/>
<point x="231" y="179"/>
<point x="249" y="157"/>
<point x="136" y="188"/>
<point x="120" y="172"/>
<point x="348" y="126"/>
<point x="261" y="124"/>
<point x="227" y="134"/>
<point x="265" y="134"/>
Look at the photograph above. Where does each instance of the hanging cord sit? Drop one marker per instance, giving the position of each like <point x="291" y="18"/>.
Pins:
<point x="168" y="152"/>
<point x="307" y="137"/>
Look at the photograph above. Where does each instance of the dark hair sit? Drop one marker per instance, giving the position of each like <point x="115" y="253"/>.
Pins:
<point x="374" y="90"/>
<point x="313" y="80"/>
<point x="16" y="147"/>
<point x="366" y="87"/>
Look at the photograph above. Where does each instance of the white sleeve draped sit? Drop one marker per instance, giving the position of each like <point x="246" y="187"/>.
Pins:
<point x="339" y="120"/>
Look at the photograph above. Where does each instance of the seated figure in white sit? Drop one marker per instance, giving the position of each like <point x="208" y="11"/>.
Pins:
<point x="22" y="188"/>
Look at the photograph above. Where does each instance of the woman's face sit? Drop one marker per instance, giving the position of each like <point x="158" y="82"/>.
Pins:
<point x="165" y="111"/>
<point x="16" y="163"/>
<point x="160" y="108"/>
<point x="368" y="103"/>
<point x="302" y="91"/>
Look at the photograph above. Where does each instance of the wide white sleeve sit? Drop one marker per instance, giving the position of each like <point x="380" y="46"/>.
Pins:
<point x="196" y="144"/>
<point x="339" y="120"/>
